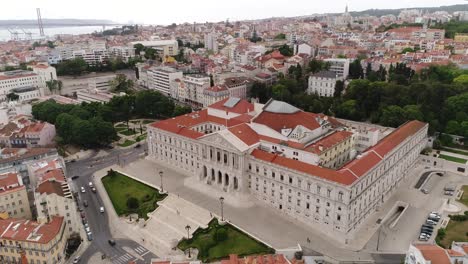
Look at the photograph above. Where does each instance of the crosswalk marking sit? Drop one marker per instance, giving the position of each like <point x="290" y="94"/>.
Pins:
<point x="140" y="250"/>
<point x="123" y="259"/>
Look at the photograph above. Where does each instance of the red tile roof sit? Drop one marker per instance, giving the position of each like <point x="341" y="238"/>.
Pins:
<point x="395" y="138"/>
<point x="329" y="141"/>
<point x="8" y="179"/>
<point x="262" y="259"/>
<point x="30" y="231"/>
<point x="324" y="173"/>
<point x="434" y="253"/>
<point x="245" y="133"/>
<point x="50" y="187"/>
<point x="278" y="121"/>
<point x="242" y="107"/>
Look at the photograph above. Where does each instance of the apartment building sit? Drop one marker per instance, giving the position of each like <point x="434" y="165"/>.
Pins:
<point x="215" y="94"/>
<point x="14" y="196"/>
<point x="211" y="42"/>
<point x="269" y="152"/>
<point x="39" y="243"/>
<point x="165" y="47"/>
<point x="160" y="79"/>
<point x="339" y="66"/>
<point x="123" y="52"/>
<point x="53" y="197"/>
<point x="19" y="79"/>
<point x="323" y="83"/>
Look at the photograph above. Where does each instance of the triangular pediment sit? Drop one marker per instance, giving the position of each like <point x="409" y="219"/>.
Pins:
<point x="223" y="140"/>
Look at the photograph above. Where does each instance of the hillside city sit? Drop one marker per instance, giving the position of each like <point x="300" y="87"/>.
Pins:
<point x="327" y="138"/>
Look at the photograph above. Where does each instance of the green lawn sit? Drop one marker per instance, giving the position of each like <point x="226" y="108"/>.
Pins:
<point x="127" y="132"/>
<point x="455" y="231"/>
<point x="127" y="143"/>
<point x="120" y="187"/>
<point x="464" y="198"/>
<point x="212" y="249"/>
<point x="121" y="125"/>
<point x="147" y="121"/>
<point x="140" y="138"/>
<point x="457" y="151"/>
<point x="454" y="159"/>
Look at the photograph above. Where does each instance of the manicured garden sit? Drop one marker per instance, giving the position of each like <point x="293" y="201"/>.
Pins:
<point x="127" y="132"/>
<point x="130" y="196"/>
<point x="464" y="198"/>
<point x="218" y="241"/>
<point x="451" y="158"/>
<point x="457" y="151"/>
<point x="127" y="143"/>
<point x="456" y="230"/>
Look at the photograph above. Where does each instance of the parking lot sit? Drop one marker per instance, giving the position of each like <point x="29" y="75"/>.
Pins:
<point x="419" y="204"/>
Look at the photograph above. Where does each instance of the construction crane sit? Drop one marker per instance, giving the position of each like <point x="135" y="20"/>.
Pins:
<point x="14" y="34"/>
<point x="39" y="22"/>
<point x="27" y="34"/>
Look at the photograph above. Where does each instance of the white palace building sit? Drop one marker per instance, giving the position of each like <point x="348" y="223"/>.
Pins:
<point x="328" y="173"/>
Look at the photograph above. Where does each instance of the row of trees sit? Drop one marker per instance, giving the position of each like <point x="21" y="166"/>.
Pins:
<point x="437" y="95"/>
<point x="91" y="124"/>
<point x="79" y="66"/>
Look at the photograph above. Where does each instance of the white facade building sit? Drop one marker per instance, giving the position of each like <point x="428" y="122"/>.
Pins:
<point x="160" y="79"/>
<point x="323" y="83"/>
<point x="18" y="80"/>
<point x="191" y="91"/>
<point x="123" y="52"/>
<point x="273" y="153"/>
<point x="211" y="42"/>
<point x="339" y="66"/>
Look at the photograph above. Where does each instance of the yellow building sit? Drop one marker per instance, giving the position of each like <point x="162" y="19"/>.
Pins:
<point x="334" y="149"/>
<point x="40" y="243"/>
<point x="13" y="196"/>
<point x="461" y="37"/>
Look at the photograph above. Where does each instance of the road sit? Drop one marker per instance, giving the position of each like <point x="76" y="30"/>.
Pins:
<point x="97" y="221"/>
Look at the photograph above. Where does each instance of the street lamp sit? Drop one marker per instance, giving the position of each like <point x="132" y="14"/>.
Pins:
<point x="221" y="201"/>
<point x="188" y="227"/>
<point x="161" y="175"/>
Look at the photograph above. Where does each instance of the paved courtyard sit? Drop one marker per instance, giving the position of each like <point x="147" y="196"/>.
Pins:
<point x="283" y="232"/>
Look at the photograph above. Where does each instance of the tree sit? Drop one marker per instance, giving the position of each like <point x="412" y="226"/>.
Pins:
<point x="280" y="36"/>
<point x="72" y="67"/>
<point x="132" y="203"/>
<point x="84" y="134"/>
<point x="317" y="65"/>
<point x="453" y="127"/>
<point x="121" y="84"/>
<point x="221" y="235"/>
<point x="150" y="53"/>
<point x="286" y="50"/>
<point x="355" y="70"/>
<point x="54" y="86"/>
<point x="12" y="97"/>
<point x="392" y="116"/>
<point x="181" y="110"/>
<point x="138" y="48"/>
<point x="339" y="88"/>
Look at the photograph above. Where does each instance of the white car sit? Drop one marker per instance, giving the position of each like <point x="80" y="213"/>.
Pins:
<point x="83" y="190"/>
<point x="88" y="230"/>
<point x="431" y="222"/>
<point x="435" y="213"/>
<point x="423" y="237"/>
<point x="101" y="209"/>
<point x="90" y="185"/>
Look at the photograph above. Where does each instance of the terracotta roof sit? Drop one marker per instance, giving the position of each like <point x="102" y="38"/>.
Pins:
<point x="4" y="77"/>
<point x="454" y="253"/>
<point x="216" y="88"/>
<point x="278" y="121"/>
<point x="245" y="133"/>
<point x="324" y="173"/>
<point x="8" y="179"/>
<point x="329" y="141"/>
<point x="55" y="174"/>
<point x="27" y="154"/>
<point x="30" y="231"/>
<point x="261" y="259"/>
<point x="50" y="187"/>
<point x="434" y="253"/>
<point x="36" y="127"/>
<point x="395" y="138"/>
<point x="242" y="107"/>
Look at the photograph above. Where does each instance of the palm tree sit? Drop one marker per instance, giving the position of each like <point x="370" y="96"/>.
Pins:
<point x="54" y="85"/>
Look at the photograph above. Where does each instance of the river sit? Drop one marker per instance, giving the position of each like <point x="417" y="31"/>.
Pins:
<point x="51" y="31"/>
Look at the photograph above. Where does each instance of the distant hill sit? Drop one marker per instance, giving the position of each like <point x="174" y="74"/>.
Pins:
<point x="57" y="22"/>
<point x="382" y="12"/>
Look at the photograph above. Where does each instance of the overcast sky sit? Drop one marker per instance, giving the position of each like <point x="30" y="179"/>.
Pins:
<point x="178" y="11"/>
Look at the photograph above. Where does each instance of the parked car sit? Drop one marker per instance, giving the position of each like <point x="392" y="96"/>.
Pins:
<point x="111" y="242"/>
<point x="431" y="222"/>
<point x="75" y="177"/>
<point x="93" y="189"/>
<point x="427" y="231"/>
<point x="80" y="209"/>
<point x="84" y="221"/>
<point x="423" y="237"/>
<point x="87" y="229"/>
<point x="101" y="209"/>
<point x="76" y="259"/>
<point x="82" y="214"/>
<point x="435" y="219"/>
<point x="83" y="189"/>
<point x="90" y="185"/>
<point x="85" y="203"/>
<point x="449" y="193"/>
<point x="86" y="225"/>
<point x="90" y="236"/>
<point x="428" y="226"/>
<point x="431" y="215"/>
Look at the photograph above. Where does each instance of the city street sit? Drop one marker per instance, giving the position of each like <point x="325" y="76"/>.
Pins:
<point x="125" y="250"/>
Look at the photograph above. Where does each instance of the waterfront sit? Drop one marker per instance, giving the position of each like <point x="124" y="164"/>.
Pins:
<point x="51" y="31"/>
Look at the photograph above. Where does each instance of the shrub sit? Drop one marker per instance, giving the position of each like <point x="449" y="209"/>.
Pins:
<point x="132" y="203"/>
<point x="459" y="218"/>
<point x="221" y="235"/>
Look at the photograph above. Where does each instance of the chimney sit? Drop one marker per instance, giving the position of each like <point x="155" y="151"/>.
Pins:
<point x="320" y="147"/>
